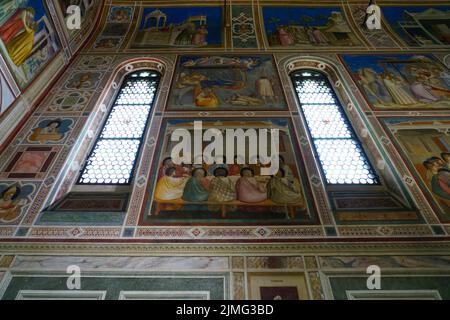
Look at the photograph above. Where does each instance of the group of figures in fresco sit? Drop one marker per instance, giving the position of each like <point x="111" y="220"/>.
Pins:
<point x="180" y="27"/>
<point x="222" y="183"/>
<point x="293" y="26"/>
<point x="401" y="81"/>
<point x="226" y="81"/>
<point x="238" y="188"/>
<point x="28" y="42"/>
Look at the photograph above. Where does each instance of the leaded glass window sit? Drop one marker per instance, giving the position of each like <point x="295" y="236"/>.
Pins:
<point x="113" y="157"/>
<point x="339" y="150"/>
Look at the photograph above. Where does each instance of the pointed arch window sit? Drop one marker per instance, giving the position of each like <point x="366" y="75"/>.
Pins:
<point x="342" y="158"/>
<point x="112" y="160"/>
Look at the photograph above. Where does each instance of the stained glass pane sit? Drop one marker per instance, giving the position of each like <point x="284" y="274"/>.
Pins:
<point x="341" y="156"/>
<point x="113" y="157"/>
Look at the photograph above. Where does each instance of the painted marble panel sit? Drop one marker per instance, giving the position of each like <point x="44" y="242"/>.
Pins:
<point x="228" y="193"/>
<point x="420" y="26"/>
<point x="226" y="82"/>
<point x="28" y="40"/>
<point x="427" y="149"/>
<point x="291" y="27"/>
<point x="185" y="27"/>
<point x="401" y="81"/>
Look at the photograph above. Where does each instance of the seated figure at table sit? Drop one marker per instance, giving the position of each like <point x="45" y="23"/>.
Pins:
<point x="248" y="189"/>
<point x="282" y="191"/>
<point x="221" y="187"/>
<point x="197" y="187"/>
<point x="170" y="187"/>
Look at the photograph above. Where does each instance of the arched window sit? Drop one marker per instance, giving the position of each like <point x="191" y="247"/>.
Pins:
<point x="339" y="150"/>
<point x="113" y="158"/>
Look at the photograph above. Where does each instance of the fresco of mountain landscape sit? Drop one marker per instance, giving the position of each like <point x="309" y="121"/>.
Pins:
<point x="420" y="26"/>
<point x="401" y="81"/>
<point x="188" y="27"/>
<point x="427" y="147"/>
<point x="226" y="82"/>
<point x="307" y="26"/>
<point x="28" y="40"/>
<point x="224" y="193"/>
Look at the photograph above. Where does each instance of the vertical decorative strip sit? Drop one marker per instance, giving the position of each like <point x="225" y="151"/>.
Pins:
<point x="243" y="27"/>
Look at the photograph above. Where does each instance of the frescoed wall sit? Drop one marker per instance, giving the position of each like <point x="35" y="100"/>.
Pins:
<point x="401" y="81"/>
<point x="228" y="193"/>
<point x="28" y="40"/>
<point x="188" y="27"/>
<point x="427" y="148"/>
<point x="421" y="26"/>
<point x="305" y="27"/>
<point x="241" y="234"/>
<point x="226" y="82"/>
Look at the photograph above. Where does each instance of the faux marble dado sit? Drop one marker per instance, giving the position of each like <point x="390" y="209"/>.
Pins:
<point x="434" y="262"/>
<point x="121" y="263"/>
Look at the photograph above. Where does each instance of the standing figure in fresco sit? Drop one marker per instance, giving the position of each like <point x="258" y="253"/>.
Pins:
<point x="421" y="91"/>
<point x="281" y="190"/>
<point x="221" y="188"/>
<point x="170" y="187"/>
<point x="320" y="37"/>
<point x="310" y="34"/>
<point x="197" y="187"/>
<point x="10" y="204"/>
<point x="18" y="35"/>
<point x="199" y="39"/>
<point x="49" y="133"/>
<point x="373" y="84"/>
<point x="248" y="189"/>
<point x="398" y="94"/>
<point x="265" y="89"/>
<point x="284" y="37"/>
